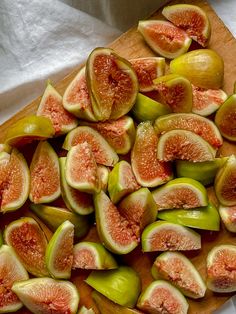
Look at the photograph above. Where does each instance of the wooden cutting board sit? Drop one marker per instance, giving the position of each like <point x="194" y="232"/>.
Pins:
<point x="131" y="45"/>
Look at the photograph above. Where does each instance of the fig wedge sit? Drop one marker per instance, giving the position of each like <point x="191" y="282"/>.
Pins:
<point x="228" y="216"/>
<point x="103" y="174"/>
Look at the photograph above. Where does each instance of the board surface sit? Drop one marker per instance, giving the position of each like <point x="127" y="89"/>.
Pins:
<point x="131" y="45"/>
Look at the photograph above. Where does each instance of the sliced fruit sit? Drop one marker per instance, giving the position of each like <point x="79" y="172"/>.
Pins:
<point x="161" y="297"/>
<point x="121" y="285"/>
<point x="104" y="154"/>
<point x="118" y="133"/>
<point x="84" y="310"/>
<point x="167" y="236"/>
<point x="175" y="91"/>
<point x="192" y="19"/>
<point x="44" y="174"/>
<point x="9" y="302"/>
<point x="180" y="193"/>
<point x="184" y="145"/>
<point x="81" y="171"/>
<point x="148" y="171"/>
<point x="206" y="218"/>
<point x="103" y="174"/>
<point x="91" y="255"/>
<point x="207" y="101"/>
<point x="121" y="181"/>
<point x="148" y="69"/>
<point x="76" y="98"/>
<point x="178" y="269"/>
<point x="112" y="82"/>
<point x="29" y="242"/>
<point x="225" y="118"/>
<point x="228" y="216"/>
<point x="146" y="108"/>
<point x="221" y="265"/>
<point x="191" y="122"/>
<point x="202" y="67"/>
<point x="46" y="295"/>
<point x="59" y="252"/>
<point x="164" y="38"/>
<point x="5" y="148"/>
<point x="113" y="229"/>
<point x="28" y="129"/>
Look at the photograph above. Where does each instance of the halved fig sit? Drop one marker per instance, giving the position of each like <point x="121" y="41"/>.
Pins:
<point x="175" y="91"/>
<point x="225" y="183"/>
<point x="84" y="310"/>
<point x="46" y="295"/>
<point x="9" y="302"/>
<point x="121" y="285"/>
<point x="103" y="174"/>
<point x="91" y="255"/>
<point x="148" y="171"/>
<point x="191" y="122"/>
<point x="81" y="171"/>
<point x="53" y="217"/>
<point x="167" y="236"/>
<point x="221" y="265"/>
<point x="202" y="67"/>
<point x="180" y="193"/>
<point x="113" y="84"/>
<point x="59" y="252"/>
<point x="192" y="19"/>
<point x="148" y="69"/>
<point x="104" y="154"/>
<point x="161" y="297"/>
<point x="225" y="118"/>
<point x="44" y="174"/>
<point x="121" y="181"/>
<point x="179" y="270"/>
<point x="29" y="242"/>
<point x="228" y="216"/>
<point x="184" y="145"/>
<point x="113" y="229"/>
<point x="164" y="38"/>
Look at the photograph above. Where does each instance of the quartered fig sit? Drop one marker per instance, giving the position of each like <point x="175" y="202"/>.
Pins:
<point x="103" y="174"/>
<point x="178" y="269"/>
<point x="121" y="285"/>
<point x="228" y="216"/>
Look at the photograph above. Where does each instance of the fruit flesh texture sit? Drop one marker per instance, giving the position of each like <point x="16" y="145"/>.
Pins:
<point x="228" y="216"/>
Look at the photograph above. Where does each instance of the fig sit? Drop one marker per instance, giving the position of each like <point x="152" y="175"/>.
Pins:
<point x="207" y="101"/>
<point x="161" y="297"/>
<point x="145" y="108"/>
<point x="225" y="183"/>
<point x="164" y="38"/>
<point x="44" y="174"/>
<point x="121" y="181"/>
<point x="202" y="67"/>
<point x="221" y="264"/>
<point x="28" y="129"/>
<point x="113" y="84"/>
<point x="148" y="69"/>
<point x="114" y="230"/>
<point x="103" y="174"/>
<point x="9" y="302"/>
<point x="104" y="154"/>
<point x="81" y="171"/>
<point x="184" y="145"/>
<point x="52" y="108"/>
<point x="228" y="216"/>
<point x="80" y="202"/>
<point x="178" y="269"/>
<point x="121" y="285"/>
<point x="59" y="252"/>
<point x="53" y="217"/>
<point x="180" y="193"/>
<point x="5" y="148"/>
<point x="84" y="310"/>
<point x="190" y="122"/>
<point x="148" y="171"/>
<point x="167" y="236"/>
<point x="76" y="98"/>
<point x="206" y="218"/>
<point x="118" y="133"/>
<point x="192" y="19"/>
<point x="225" y="118"/>
<point x="47" y="295"/>
<point x="29" y="242"/>
<point x="175" y="91"/>
<point x="91" y="255"/>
